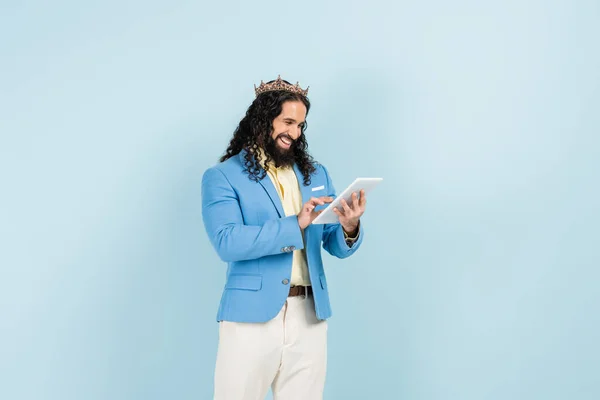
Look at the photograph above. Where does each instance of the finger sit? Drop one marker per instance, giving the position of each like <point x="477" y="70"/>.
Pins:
<point x="326" y="199"/>
<point x="338" y="212"/>
<point x="363" y="199"/>
<point x="355" y="204"/>
<point x="315" y="201"/>
<point x="347" y="208"/>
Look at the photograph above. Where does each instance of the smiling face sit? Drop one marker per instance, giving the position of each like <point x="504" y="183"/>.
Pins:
<point x="287" y="128"/>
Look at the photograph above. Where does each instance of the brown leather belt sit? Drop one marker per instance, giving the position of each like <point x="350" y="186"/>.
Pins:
<point x="300" y="291"/>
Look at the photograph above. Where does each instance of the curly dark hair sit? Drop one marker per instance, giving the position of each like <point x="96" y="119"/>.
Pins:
<point x="254" y="133"/>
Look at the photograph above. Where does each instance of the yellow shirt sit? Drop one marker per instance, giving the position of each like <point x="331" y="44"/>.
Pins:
<point x="287" y="186"/>
<point x="285" y="182"/>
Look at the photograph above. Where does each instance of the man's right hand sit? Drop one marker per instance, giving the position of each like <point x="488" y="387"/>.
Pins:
<point x="308" y="213"/>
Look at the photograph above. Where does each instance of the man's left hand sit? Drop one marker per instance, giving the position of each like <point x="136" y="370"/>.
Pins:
<point x="350" y="214"/>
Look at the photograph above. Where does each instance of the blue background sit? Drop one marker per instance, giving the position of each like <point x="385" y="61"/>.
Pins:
<point x="479" y="276"/>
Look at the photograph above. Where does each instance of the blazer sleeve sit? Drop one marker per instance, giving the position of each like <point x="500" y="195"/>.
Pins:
<point x="333" y="234"/>
<point x="231" y="238"/>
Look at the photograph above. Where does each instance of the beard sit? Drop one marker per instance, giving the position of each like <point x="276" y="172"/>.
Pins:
<point x="282" y="157"/>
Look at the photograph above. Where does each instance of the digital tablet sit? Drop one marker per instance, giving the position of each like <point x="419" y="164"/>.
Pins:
<point x="330" y="217"/>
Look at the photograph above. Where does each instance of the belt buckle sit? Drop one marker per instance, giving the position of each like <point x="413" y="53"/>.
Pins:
<point x="302" y="291"/>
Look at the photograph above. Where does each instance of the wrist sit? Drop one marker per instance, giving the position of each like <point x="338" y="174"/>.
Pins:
<point x="300" y="224"/>
<point x="350" y="230"/>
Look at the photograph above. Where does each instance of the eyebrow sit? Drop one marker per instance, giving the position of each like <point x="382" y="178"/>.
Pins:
<point x="291" y="119"/>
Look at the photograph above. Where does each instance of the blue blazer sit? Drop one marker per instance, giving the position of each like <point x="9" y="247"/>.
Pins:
<point x="247" y="226"/>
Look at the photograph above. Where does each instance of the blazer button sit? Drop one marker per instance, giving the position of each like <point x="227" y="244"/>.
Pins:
<point x="285" y="281"/>
<point x="284" y="249"/>
<point x="292" y="248"/>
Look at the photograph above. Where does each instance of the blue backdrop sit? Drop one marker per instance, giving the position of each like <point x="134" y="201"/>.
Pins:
<point x="482" y="248"/>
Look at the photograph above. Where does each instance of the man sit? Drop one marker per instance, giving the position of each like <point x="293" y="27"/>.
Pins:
<point x="258" y="204"/>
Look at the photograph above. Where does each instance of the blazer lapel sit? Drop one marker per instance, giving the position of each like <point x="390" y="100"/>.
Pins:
<point x="305" y="190"/>
<point x="310" y="229"/>
<point x="268" y="186"/>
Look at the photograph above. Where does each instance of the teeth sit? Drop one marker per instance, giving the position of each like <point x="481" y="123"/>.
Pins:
<point x="285" y="140"/>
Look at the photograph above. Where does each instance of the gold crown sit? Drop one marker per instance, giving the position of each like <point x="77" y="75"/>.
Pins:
<point x="279" y="84"/>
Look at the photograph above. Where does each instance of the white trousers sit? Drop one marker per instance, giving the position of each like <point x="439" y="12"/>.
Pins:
<point x="287" y="353"/>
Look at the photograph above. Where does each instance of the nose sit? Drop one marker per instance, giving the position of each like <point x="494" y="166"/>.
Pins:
<point x="296" y="132"/>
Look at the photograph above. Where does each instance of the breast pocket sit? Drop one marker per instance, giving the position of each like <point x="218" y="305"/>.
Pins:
<point x="318" y="190"/>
